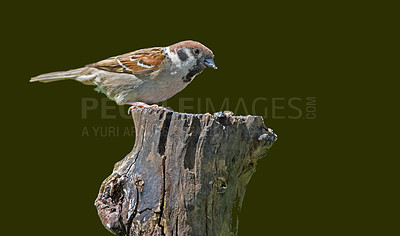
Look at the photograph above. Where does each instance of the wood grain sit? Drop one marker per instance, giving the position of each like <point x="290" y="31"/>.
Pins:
<point x="186" y="175"/>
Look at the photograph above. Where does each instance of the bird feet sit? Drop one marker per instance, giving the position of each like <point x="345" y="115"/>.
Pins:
<point x="137" y="105"/>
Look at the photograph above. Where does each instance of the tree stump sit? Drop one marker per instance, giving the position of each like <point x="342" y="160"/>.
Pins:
<point x="186" y="175"/>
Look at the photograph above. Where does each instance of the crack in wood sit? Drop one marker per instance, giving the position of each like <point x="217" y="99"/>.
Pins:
<point x="161" y="150"/>
<point x="193" y="139"/>
<point x="162" y="198"/>
<point x="164" y="133"/>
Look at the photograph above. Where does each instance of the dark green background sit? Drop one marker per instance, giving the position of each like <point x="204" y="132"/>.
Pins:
<point x="326" y="176"/>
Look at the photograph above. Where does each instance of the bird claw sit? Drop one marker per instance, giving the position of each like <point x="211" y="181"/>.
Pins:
<point x="139" y="105"/>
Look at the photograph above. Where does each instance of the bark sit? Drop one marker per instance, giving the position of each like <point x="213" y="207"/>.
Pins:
<point x="186" y="175"/>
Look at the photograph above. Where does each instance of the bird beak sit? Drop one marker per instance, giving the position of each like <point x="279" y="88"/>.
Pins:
<point x="209" y="62"/>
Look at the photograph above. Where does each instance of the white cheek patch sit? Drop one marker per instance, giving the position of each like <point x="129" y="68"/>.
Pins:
<point x="178" y="62"/>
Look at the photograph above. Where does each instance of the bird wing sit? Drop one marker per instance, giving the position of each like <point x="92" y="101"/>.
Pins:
<point x="143" y="61"/>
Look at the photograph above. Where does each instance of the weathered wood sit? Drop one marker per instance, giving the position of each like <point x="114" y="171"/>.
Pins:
<point x="186" y="175"/>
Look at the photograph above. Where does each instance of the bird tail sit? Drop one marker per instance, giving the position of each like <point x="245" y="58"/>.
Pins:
<point x="56" y="76"/>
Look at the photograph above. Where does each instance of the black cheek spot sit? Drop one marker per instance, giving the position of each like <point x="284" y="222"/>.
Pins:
<point x="182" y="55"/>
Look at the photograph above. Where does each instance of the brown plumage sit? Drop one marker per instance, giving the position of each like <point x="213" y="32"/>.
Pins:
<point x="130" y="62"/>
<point x="146" y="75"/>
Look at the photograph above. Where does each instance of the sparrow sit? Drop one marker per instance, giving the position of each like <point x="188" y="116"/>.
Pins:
<point x="143" y="76"/>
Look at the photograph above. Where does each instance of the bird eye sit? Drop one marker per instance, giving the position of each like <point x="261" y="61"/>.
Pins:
<point x="197" y="51"/>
